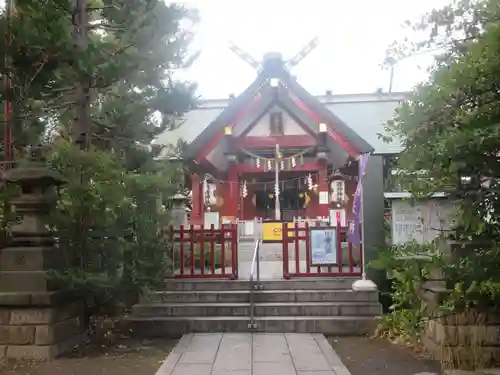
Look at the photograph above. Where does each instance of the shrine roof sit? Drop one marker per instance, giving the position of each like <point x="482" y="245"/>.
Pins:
<point x="365" y="113"/>
<point x="274" y="85"/>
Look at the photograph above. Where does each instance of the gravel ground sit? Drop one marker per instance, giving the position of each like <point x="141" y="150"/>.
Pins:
<point x="365" y="356"/>
<point x="122" y="357"/>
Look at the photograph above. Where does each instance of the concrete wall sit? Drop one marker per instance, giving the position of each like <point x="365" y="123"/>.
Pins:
<point x="373" y="209"/>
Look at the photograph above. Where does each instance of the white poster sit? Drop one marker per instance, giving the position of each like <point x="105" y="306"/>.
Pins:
<point x="323" y="197"/>
<point x="323" y="246"/>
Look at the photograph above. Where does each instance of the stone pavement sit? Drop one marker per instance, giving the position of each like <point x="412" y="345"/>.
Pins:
<point x="253" y="354"/>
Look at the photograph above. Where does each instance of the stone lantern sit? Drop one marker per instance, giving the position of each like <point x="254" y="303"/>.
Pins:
<point x="36" y="320"/>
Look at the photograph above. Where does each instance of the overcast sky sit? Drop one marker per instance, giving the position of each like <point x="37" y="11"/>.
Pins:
<point x="353" y="35"/>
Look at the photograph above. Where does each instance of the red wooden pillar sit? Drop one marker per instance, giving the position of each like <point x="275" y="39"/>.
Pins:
<point x="197" y="200"/>
<point x="322" y="191"/>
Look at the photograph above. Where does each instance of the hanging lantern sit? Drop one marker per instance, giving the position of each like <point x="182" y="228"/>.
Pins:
<point x="338" y="191"/>
<point x="282" y="165"/>
<point x="257" y="163"/>
<point x="294" y="162"/>
<point x="309" y="182"/>
<point x="276" y="189"/>
<point x="269" y="165"/>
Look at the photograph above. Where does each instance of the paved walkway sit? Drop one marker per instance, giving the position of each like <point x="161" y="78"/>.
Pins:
<point x="253" y="354"/>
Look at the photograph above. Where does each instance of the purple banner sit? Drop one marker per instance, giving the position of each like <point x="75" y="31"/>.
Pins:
<point x="353" y="236"/>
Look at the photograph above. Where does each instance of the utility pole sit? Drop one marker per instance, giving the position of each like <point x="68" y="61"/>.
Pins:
<point x="82" y="129"/>
<point x="391" y="79"/>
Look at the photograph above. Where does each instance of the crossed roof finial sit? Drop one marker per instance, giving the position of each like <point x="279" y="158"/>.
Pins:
<point x="274" y="57"/>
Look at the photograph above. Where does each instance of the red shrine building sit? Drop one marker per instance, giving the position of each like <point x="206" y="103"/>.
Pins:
<point x="278" y="153"/>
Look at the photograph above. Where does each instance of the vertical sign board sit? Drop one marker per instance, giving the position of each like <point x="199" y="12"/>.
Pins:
<point x="211" y="218"/>
<point x="334" y="212"/>
<point x="323" y="245"/>
<point x="422" y="222"/>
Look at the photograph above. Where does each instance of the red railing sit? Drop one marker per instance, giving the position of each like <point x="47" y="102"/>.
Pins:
<point x="298" y="262"/>
<point x="197" y="252"/>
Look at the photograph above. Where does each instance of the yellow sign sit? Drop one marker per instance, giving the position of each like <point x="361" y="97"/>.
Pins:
<point x="272" y="231"/>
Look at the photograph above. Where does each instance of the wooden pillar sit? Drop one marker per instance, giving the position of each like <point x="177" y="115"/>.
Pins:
<point x="322" y="191"/>
<point x="233" y="192"/>
<point x="197" y="200"/>
<point x="322" y="159"/>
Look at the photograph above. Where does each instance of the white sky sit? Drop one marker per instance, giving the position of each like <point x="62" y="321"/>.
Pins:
<point x="353" y="36"/>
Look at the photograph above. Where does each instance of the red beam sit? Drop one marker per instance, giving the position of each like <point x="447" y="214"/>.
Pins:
<point x="218" y="137"/>
<point x="284" y="141"/>
<point x="247" y="168"/>
<point x="336" y="137"/>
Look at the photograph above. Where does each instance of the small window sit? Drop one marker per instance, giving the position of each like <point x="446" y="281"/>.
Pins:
<point x="276" y="123"/>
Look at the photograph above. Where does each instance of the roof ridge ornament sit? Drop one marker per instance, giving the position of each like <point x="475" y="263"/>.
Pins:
<point x="273" y="60"/>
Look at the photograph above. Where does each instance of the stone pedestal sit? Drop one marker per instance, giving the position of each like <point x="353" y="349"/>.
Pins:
<point x="36" y="320"/>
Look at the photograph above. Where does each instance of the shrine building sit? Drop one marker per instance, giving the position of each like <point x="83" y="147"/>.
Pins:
<point x="278" y="153"/>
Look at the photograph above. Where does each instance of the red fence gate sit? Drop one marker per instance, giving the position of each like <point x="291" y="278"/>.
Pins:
<point x="298" y="260"/>
<point x="197" y="252"/>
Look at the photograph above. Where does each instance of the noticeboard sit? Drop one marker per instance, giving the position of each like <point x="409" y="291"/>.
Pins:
<point x="323" y="245"/>
<point x="422" y="221"/>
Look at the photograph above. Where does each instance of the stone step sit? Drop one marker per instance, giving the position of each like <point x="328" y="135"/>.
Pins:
<point x="175" y="326"/>
<point x="261" y="309"/>
<point x="216" y="285"/>
<point x="232" y="296"/>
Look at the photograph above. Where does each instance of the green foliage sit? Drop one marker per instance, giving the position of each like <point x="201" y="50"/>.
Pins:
<point x="108" y="217"/>
<point x="129" y="60"/>
<point x="450" y="130"/>
<point x="407" y="266"/>
<point x="108" y="223"/>
<point x="450" y="126"/>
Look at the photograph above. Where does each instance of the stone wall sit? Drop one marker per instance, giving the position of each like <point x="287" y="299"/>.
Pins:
<point x="463" y="343"/>
<point x="39" y="332"/>
<point x="463" y="340"/>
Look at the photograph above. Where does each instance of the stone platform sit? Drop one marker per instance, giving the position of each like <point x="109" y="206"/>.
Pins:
<point x="253" y="354"/>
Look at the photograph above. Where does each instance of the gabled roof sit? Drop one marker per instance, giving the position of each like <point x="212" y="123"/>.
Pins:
<point x="226" y="116"/>
<point x="329" y="117"/>
<point x="302" y="106"/>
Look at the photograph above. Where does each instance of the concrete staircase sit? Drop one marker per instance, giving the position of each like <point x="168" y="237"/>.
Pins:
<point x="312" y="305"/>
